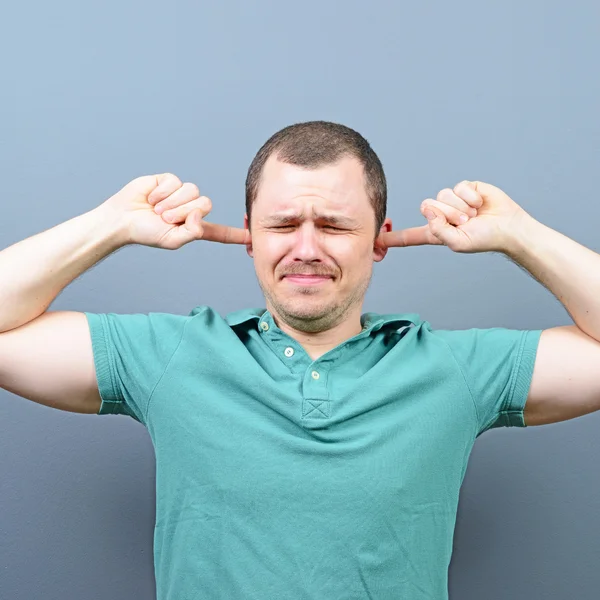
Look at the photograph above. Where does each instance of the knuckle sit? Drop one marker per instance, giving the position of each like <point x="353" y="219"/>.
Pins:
<point x="442" y="194"/>
<point x="192" y="188"/>
<point x="205" y="203"/>
<point x="170" y="182"/>
<point x="169" y="177"/>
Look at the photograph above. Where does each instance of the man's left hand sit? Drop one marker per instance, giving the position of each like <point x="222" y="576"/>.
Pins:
<point x="492" y="220"/>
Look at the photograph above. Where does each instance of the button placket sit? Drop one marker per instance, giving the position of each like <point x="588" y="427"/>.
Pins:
<point x="315" y="379"/>
<point x="283" y="347"/>
<point x="316" y="405"/>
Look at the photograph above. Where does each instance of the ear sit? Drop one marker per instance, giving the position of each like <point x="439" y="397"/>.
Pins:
<point x="379" y="252"/>
<point x="249" y="249"/>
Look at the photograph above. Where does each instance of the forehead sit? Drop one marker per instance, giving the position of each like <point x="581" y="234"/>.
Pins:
<point x="339" y="187"/>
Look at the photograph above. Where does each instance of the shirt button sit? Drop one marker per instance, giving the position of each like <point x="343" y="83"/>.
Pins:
<point x="315" y="374"/>
<point x="264" y="326"/>
<point x="288" y="352"/>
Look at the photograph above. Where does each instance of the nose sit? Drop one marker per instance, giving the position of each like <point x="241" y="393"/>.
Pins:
<point x="306" y="243"/>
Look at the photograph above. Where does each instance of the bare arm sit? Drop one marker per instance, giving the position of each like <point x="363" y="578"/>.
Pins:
<point x="34" y="271"/>
<point x="46" y="356"/>
<point x="50" y="361"/>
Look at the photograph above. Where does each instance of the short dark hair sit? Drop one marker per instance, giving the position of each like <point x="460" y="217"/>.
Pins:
<point x="314" y="144"/>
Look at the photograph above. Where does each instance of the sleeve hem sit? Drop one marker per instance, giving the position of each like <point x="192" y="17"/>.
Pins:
<point x="111" y="401"/>
<point x="513" y="414"/>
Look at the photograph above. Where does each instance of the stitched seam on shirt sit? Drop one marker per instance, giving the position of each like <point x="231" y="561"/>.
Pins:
<point x="514" y="376"/>
<point x="503" y="410"/>
<point x="468" y="387"/>
<point x="151" y="396"/>
<point x="112" y="370"/>
<point x="314" y="407"/>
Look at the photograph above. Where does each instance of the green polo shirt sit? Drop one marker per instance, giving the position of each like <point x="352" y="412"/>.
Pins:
<point x="279" y="477"/>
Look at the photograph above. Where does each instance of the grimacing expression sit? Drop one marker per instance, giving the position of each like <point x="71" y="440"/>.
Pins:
<point x="313" y="234"/>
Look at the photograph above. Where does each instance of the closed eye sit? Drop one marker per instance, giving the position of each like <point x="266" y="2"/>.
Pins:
<point x="280" y="227"/>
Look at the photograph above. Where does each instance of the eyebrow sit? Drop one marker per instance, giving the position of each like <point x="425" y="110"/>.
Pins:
<point x="284" y="219"/>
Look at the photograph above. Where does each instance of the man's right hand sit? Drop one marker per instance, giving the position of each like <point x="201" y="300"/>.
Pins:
<point x="162" y="212"/>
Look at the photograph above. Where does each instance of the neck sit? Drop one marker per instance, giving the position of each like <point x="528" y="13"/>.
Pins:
<point x="318" y="343"/>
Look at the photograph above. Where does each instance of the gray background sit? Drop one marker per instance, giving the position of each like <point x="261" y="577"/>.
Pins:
<point x="95" y="94"/>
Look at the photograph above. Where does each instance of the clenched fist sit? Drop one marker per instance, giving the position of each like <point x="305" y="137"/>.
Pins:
<point x="162" y="212"/>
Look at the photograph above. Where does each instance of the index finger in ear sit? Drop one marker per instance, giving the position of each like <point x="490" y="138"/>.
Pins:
<point x="413" y="236"/>
<point x="224" y="234"/>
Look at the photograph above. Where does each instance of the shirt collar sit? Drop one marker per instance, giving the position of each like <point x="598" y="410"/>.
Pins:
<point x="369" y="320"/>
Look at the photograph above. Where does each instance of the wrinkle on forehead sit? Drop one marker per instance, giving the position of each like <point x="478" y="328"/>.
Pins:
<point x="337" y="194"/>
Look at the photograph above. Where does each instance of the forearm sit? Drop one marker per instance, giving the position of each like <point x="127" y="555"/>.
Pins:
<point x="34" y="271"/>
<point x="568" y="269"/>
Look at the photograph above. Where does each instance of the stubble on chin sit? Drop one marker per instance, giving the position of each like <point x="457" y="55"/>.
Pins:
<point x="313" y="316"/>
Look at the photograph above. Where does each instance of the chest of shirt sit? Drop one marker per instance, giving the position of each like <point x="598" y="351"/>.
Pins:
<point x="280" y="441"/>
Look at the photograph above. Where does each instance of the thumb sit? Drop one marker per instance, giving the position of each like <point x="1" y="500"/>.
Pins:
<point x="441" y="229"/>
<point x="191" y="229"/>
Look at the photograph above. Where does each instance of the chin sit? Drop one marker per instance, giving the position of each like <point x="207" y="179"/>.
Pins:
<point x="305" y="307"/>
<point x="321" y="313"/>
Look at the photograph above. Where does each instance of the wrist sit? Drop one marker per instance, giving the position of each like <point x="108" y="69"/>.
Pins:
<point x="113" y="224"/>
<point x="521" y="231"/>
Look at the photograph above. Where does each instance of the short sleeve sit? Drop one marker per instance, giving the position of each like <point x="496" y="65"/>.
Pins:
<point x="131" y="353"/>
<point x="497" y="364"/>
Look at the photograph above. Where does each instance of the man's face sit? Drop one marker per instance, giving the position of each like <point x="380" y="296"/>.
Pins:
<point x="313" y="235"/>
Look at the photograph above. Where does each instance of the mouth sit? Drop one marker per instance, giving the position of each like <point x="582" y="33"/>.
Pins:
<point x="307" y="279"/>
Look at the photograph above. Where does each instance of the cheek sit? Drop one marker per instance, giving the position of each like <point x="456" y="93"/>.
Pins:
<point x="355" y="260"/>
<point x="348" y="252"/>
<point x="269" y="251"/>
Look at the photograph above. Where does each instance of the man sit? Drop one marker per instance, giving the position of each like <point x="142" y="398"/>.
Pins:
<point x="304" y="451"/>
